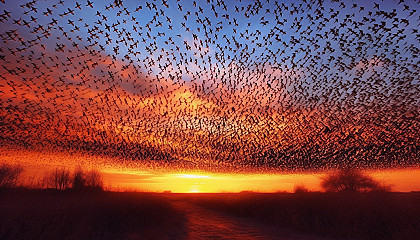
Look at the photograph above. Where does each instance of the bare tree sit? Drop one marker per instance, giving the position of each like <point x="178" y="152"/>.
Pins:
<point x="9" y="175"/>
<point x="94" y="179"/>
<point x="59" y="179"/>
<point x="350" y="180"/>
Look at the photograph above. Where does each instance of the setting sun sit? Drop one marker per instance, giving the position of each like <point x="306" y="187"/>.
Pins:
<point x="194" y="189"/>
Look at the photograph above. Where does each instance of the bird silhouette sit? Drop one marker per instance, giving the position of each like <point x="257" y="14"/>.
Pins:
<point x="214" y="85"/>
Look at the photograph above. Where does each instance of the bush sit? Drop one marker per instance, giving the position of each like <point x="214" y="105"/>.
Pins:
<point x="9" y="175"/>
<point x="300" y="189"/>
<point x="350" y="180"/>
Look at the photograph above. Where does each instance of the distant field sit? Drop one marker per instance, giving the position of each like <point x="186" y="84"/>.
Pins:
<point x="353" y="215"/>
<point x="45" y="214"/>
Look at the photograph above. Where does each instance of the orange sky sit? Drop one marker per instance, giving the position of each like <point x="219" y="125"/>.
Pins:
<point x="133" y="176"/>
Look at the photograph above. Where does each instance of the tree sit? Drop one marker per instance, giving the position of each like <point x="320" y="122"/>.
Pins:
<point x="350" y="180"/>
<point x="94" y="179"/>
<point x="9" y="175"/>
<point x="79" y="179"/>
<point x="87" y="180"/>
<point x="58" y="179"/>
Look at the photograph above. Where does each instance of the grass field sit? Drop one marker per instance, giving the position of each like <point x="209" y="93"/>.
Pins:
<point x="53" y="214"/>
<point x="380" y="215"/>
<point x="47" y="214"/>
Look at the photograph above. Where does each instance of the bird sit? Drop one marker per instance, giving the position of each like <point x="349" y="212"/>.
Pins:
<point x="207" y="84"/>
<point x="89" y="4"/>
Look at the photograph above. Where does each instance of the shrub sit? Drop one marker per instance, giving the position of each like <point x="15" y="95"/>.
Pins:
<point x="9" y="175"/>
<point x="300" y="189"/>
<point x="350" y="180"/>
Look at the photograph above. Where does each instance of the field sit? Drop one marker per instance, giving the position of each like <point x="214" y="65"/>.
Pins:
<point x="381" y="215"/>
<point x="47" y="214"/>
<point x="53" y="214"/>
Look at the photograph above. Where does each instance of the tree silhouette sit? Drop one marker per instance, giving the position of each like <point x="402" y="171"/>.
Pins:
<point x="9" y="175"/>
<point x="350" y="180"/>
<point x="94" y="179"/>
<point x="58" y="179"/>
<point x="87" y="180"/>
<point x="79" y="179"/>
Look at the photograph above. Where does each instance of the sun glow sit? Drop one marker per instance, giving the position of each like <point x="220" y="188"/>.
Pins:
<point x="194" y="189"/>
<point x="191" y="176"/>
<point x="143" y="178"/>
<point x="220" y="182"/>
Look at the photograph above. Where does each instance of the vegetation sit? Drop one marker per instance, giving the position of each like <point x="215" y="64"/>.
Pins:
<point x="373" y="215"/>
<point x="74" y="206"/>
<point x="352" y="206"/>
<point x="351" y="180"/>
<point x="46" y="214"/>
<point x="9" y="175"/>
<point x="300" y="189"/>
<point x="58" y="179"/>
<point x="87" y="180"/>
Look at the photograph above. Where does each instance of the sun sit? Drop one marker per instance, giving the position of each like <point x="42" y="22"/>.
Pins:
<point x="194" y="189"/>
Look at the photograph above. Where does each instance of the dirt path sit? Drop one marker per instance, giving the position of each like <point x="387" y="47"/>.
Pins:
<point x="208" y="224"/>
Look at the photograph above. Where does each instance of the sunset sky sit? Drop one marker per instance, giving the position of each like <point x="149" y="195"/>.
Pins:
<point x="188" y="95"/>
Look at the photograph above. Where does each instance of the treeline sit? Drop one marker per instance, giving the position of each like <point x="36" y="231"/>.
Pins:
<point x="59" y="179"/>
<point x="347" y="180"/>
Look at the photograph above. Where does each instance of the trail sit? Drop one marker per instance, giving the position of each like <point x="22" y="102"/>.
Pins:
<point x="207" y="224"/>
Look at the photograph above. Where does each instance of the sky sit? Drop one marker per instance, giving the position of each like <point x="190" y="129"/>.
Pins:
<point x="151" y="178"/>
<point x="213" y="86"/>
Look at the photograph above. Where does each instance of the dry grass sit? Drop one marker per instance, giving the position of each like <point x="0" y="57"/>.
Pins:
<point x="50" y="214"/>
<point x="379" y="215"/>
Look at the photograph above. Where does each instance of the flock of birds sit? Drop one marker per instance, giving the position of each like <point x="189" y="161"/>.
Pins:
<point x="216" y="85"/>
